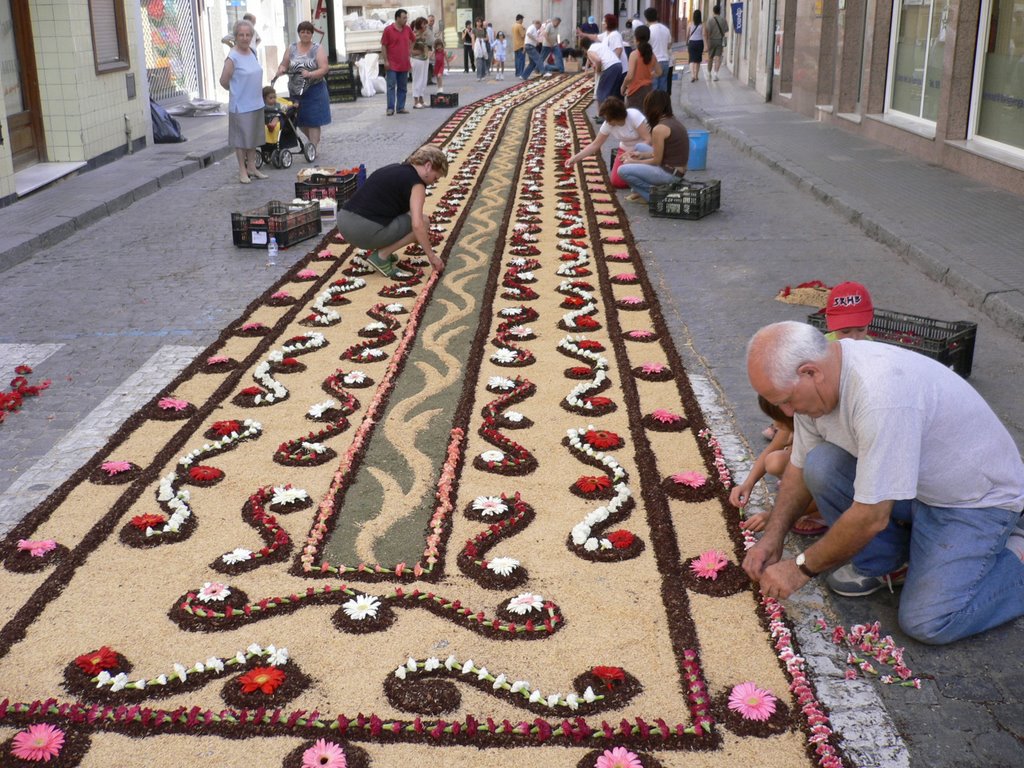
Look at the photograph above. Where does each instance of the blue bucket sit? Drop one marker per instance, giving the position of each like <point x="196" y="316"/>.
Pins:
<point x="698" y="150"/>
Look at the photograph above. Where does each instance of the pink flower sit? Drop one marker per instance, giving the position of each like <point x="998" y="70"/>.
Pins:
<point x="252" y="326"/>
<point x="38" y="743"/>
<point x="665" y="417"/>
<point x="692" y="479"/>
<point x="306" y="274"/>
<point x="619" y="757"/>
<point x="631" y="300"/>
<point x="652" y="368"/>
<point x="217" y="359"/>
<point x="708" y="564"/>
<point x="37" y="548"/>
<point x="324" y="754"/>
<point x="751" y="702"/>
<point x="281" y="295"/>
<point x="626" y="277"/>
<point x="640" y="334"/>
<point x="172" y="404"/>
<point x="115" y="467"/>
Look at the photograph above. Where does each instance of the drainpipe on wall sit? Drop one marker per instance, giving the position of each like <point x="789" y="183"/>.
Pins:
<point x="770" y="49"/>
<point x="128" y="134"/>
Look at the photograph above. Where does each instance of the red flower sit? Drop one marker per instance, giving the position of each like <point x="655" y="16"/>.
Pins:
<point x="621" y="539"/>
<point x="593" y="346"/>
<point x="602" y="439"/>
<point x="142" y="522"/>
<point x="289" y="361"/>
<point x="264" y="679"/>
<point x="609" y="675"/>
<point x="225" y="428"/>
<point x="95" y="662"/>
<point x="598" y="401"/>
<point x="252" y="391"/>
<point x="581" y="370"/>
<point x="205" y="474"/>
<point x="589" y="484"/>
<point x="572" y="301"/>
<point x="586" y="322"/>
<point x="23" y="370"/>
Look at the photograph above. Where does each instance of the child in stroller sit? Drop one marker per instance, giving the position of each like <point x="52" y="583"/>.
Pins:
<point x="282" y="135"/>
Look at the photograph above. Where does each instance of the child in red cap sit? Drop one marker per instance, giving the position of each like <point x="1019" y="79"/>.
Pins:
<point x="848" y="312"/>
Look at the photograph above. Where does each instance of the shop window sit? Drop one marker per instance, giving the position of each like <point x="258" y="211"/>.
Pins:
<point x="999" y="97"/>
<point x="109" y="36"/>
<point x="919" y="41"/>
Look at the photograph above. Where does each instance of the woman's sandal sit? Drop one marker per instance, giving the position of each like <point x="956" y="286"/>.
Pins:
<point x="634" y="197"/>
<point x="809" y="525"/>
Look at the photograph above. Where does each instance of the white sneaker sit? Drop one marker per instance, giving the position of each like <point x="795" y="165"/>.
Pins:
<point x="715" y="78"/>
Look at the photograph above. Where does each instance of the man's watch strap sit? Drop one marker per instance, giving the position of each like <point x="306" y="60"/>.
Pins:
<point x="802" y="565"/>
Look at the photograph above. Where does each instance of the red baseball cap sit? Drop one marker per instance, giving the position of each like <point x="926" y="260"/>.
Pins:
<point x="848" y="306"/>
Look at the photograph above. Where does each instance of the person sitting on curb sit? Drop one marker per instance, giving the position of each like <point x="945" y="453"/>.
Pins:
<point x="908" y="464"/>
<point x="386" y="213"/>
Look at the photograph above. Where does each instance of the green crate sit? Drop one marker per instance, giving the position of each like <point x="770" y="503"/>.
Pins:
<point x="685" y="199"/>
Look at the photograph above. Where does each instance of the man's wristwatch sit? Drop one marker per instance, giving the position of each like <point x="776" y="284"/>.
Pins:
<point x="801" y="564"/>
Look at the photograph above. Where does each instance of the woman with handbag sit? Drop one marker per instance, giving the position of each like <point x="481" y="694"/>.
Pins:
<point x="695" y="44"/>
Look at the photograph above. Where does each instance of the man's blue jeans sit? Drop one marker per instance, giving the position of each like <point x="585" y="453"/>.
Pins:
<point x="556" y="51"/>
<point x="641" y="177"/>
<point x="661" y="81"/>
<point x="520" y="57"/>
<point x="962" y="580"/>
<point x="398" y="84"/>
<point x="535" y="61"/>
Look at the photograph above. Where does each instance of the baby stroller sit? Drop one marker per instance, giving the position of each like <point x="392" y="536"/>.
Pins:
<point x="289" y="140"/>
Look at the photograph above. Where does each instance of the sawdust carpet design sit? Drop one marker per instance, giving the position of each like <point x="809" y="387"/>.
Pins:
<point x="397" y="522"/>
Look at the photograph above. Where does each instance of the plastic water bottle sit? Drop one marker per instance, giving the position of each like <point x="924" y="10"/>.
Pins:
<point x="272" y="252"/>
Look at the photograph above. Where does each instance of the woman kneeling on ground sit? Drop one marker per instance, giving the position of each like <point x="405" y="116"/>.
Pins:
<point x="669" y="154"/>
<point x="386" y="213"/>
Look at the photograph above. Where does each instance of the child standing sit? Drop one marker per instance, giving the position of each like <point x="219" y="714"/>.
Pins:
<point x="499" y="56"/>
<point x="441" y="62"/>
<point x="773" y="460"/>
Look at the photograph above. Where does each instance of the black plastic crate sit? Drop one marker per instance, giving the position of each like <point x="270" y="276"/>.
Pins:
<point x="444" y="99"/>
<point x="318" y="187"/>
<point x="685" y="199"/>
<point x="290" y="224"/>
<point x="949" y="342"/>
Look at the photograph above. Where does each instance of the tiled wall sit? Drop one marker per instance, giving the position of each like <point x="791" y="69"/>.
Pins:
<point x="83" y="112"/>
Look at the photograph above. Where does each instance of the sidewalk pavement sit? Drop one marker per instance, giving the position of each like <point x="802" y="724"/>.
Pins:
<point x="955" y="230"/>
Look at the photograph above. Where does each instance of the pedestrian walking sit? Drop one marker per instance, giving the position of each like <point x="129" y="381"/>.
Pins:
<point x="307" y="68"/>
<point x="717" y="29"/>
<point x="395" y="56"/>
<point x="695" y="44"/>
<point x="533" y="45"/>
<point x="551" y="47"/>
<point x="661" y="44"/>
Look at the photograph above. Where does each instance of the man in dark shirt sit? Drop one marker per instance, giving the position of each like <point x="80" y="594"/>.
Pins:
<point x="386" y="213"/>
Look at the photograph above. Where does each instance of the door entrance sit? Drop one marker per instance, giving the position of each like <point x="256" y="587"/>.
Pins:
<point x="21" y="93"/>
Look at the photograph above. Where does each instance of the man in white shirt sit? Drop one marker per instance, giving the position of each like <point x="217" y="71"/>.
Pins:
<point x="549" y="38"/>
<point x="907" y="464"/>
<point x="533" y="45"/>
<point x="661" y="43"/>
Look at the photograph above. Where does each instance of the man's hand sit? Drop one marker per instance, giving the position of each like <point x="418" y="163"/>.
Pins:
<point x="759" y="557"/>
<point x="782" y="579"/>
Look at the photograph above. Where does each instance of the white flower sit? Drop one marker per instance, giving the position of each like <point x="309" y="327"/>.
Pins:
<point x="378" y="326"/>
<point x="198" y="667"/>
<point x="503" y="566"/>
<point x="361" y="607"/>
<point x="370" y="353"/>
<point x="524" y="603"/>
<point x="181" y="672"/>
<point x="400" y="672"/>
<point x="535" y="697"/>
<point x="572" y="701"/>
<point x="102" y="678"/>
<point x="493" y="456"/>
<point x="411" y="664"/>
<point x="482" y="673"/>
<point x="160" y="680"/>
<point x="513" y="416"/>
<point x="276" y="657"/>
<point x="140" y="684"/>
<point x="504" y="355"/>
<point x="467" y="666"/>
<point x="354" y="377"/>
<point x="499" y="682"/>
<point x="519" y="685"/>
<point x="237" y="556"/>
<point x="318" y="409"/>
<point x="314" y="447"/>
<point x="500" y="382"/>
<point x="240" y="657"/>
<point x="490" y="505"/>
<point x="511" y="311"/>
<point x="521" y="330"/>
<point x="395" y="308"/>
<point x="431" y="664"/>
<point x="255" y="649"/>
<point x="450" y="662"/>
<point x="591" y="544"/>
<point x="589" y="696"/>
<point x="213" y="591"/>
<point x="553" y="699"/>
<point x="215" y="664"/>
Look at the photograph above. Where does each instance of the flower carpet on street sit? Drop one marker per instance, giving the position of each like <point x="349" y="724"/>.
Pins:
<point x="460" y="519"/>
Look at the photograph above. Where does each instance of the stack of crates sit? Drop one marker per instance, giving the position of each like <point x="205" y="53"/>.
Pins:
<point x="342" y="84"/>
